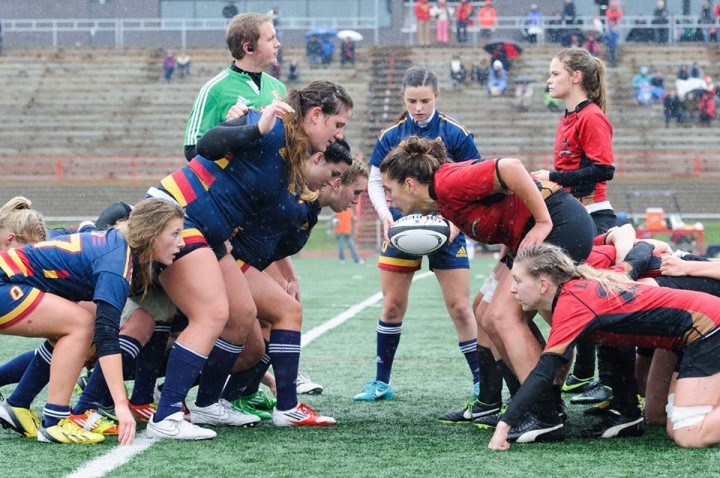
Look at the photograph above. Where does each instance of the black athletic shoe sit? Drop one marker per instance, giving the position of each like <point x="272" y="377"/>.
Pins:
<point x="471" y="411"/>
<point x="597" y="394"/>
<point x="578" y="385"/>
<point x="613" y="424"/>
<point x="532" y="429"/>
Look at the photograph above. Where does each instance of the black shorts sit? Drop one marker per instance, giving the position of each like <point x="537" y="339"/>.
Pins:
<point x="699" y="284"/>
<point x="573" y="228"/>
<point x="700" y="358"/>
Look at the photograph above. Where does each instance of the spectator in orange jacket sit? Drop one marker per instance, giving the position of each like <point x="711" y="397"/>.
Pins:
<point x="343" y="229"/>
<point x="422" y="16"/>
<point x="464" y="9"/>
<point x="487" y="18"/>
<point x="614" y="13"/>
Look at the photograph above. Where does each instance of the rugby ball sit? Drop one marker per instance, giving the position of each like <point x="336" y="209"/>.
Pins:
<point x="419" y="235"/>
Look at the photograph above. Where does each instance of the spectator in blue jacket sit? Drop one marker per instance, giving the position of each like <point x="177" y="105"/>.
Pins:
<point x="497" y="81"/>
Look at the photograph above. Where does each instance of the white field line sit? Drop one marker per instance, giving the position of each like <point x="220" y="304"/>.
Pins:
<point x="121" y="454"/>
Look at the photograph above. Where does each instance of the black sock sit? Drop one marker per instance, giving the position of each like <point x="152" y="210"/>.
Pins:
<point x="490" y="377"/>
<point x="513" y="384"/>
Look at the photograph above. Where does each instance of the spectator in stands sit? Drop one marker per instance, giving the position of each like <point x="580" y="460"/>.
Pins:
<point x="523" y="96"/>
<point x="293" y="72"/>
<point x="602" y="6"/>
<point x="591" y="43"/>
<point x="183" y="65"/>
<point x="683" y="73"/>
<point x="642" y="87"/>
<point x="497" y="81"/>
<point x="705" y="20"/>
<point x="442" y="14"/>
<point x="658" y="85"/>
<point x="328" y="50"/>
<point x="499" y="54"/>
<point x="314" y="51"/>
<point x="661" y="16"/>
<point x="462" y="15"/>
<point x="612" y="37"/>
<point x="487" y="19"/>
<point x="673" y="107"/>
<point x="533" y="23"/>
<point x="706" y="107"/>
<point x="343" y="226"/>
<point x="696" y="71"/>
<point x="422" y="18"/>
<point x="458" y="73"/>
<point x="481" y="72"/>
<point x="347" y="51"/>
<point x="168" y="66"/>
<point x="230" y="10"/>
<point x="614" y="13"/>
<point x="274" y="13"/>
<point x="568" y="13"/>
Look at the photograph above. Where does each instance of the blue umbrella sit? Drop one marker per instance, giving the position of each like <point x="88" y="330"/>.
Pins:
<point x="321" y="32"/>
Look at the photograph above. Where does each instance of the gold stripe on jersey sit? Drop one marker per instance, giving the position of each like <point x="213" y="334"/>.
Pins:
<point x="392" y="127"/>
<point x="454" y="122"/>
<point x="23" y="308"/>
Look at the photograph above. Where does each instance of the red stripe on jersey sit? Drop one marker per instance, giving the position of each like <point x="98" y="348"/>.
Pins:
<point x="183" y="187"/>
<point x="202" y="173"/>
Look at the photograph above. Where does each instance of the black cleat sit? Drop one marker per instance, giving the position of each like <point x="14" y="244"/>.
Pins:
<point x="532" y="429"/>
<point x="613" y="424"/>
<point x="472" y="410"/>
<point x="597" y="394"/>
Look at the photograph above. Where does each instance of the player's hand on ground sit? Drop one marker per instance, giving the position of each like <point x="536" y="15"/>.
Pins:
<point x="499" y="441"/>
<point x="126" y="425"/>
<point x="270" y="114"/>
<point x="238" y="110"/>
<point x="541" y="175"/>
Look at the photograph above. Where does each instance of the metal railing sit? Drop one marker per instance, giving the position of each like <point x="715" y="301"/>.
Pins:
<point x="516" y="27"/>
<point x="120" y="28"/>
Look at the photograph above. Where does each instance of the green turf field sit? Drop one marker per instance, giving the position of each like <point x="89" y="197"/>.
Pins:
<point x="388" y="439"/>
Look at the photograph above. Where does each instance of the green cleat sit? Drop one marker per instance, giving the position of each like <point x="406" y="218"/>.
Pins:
<point x="246" y="407"/>
<point x="260" y="400"/>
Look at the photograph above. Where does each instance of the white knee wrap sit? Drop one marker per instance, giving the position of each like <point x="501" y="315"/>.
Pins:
<point x="669" y="406"/>
<point x="488" y="287"/>
<point x="688" y="416"/>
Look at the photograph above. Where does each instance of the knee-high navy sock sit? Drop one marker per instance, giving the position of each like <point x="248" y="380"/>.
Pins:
<point x="36" y="376"/>
<point x="13" y="370"/>
<point x="246" y="382"/>
<point x="284" y="351"/>
<point x="148" y="364"/>
<point x="469" y="349"/>
<point x="183" y="367"/>
<point x="490" y="377"/>
<point x="388" y="339"/>
<point x="216" y="371"/>
<point x="52" y="414"/>
<point x="96" y="392"/>
<point x="262" y="366"/>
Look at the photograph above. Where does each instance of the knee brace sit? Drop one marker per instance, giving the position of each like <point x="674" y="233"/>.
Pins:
<point x="687" y="416"/>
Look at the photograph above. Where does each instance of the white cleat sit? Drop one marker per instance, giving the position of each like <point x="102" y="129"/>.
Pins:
<point x="221" y="414"/>
<point x="174" y="427"/>
<point x="305" y="385"/>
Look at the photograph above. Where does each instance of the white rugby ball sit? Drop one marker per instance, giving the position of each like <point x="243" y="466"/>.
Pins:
<point x="419" y="235"/>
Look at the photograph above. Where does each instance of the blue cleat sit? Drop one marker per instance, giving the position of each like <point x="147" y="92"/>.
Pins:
<point x="375" y="391"/>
